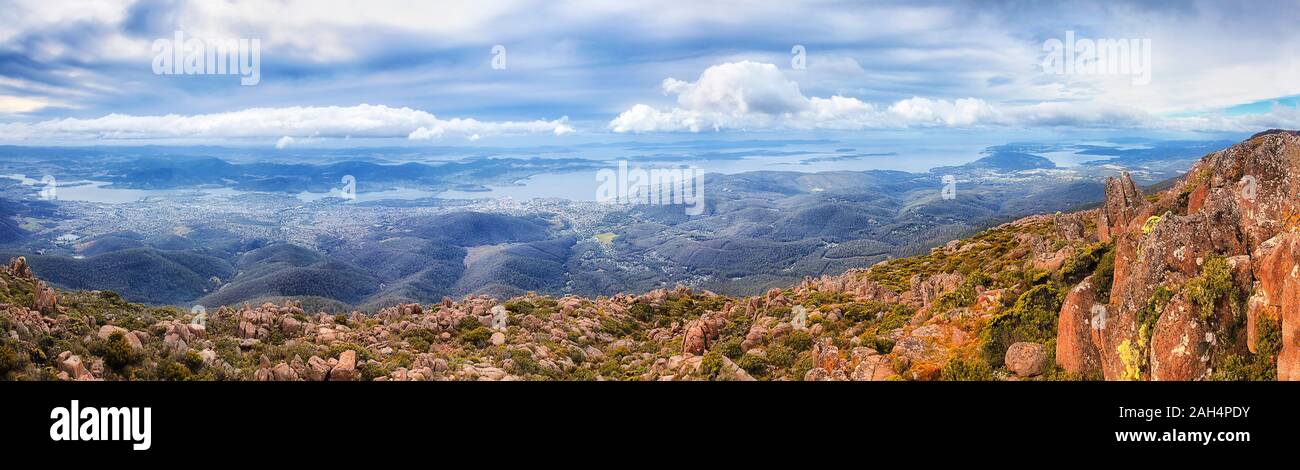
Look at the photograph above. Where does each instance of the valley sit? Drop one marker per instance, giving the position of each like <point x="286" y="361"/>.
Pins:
<point x="190" y="241"/>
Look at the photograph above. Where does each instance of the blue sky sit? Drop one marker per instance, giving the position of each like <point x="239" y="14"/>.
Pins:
<point x="422" y="72"/>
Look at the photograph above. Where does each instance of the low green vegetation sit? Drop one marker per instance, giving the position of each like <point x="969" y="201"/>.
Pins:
<point x="963" y="296"/>
<point x="967" y="369"/>
<point x="1032" y="318"/>
<point x="1212" y="286"/>
<point x="1261" y="365"/>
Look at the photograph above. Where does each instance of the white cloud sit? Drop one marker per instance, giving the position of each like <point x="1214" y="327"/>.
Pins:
<point x="474" y="129"/>
<point x="284" y="142"/>
<point x="752" y="96"/>
<point x="749" y="95"/>
<point x="19" y="104"/>
<point x="328" y="121"/>
<point x="962" y="112"/>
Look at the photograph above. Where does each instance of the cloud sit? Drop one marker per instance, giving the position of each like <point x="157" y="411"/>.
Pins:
<point x="315" y="121"/>
<point x="284" y="142"/>
<point x="870" y="65"/>
<point x="753" y="96"/>
<point x="19" y="104"/>
<point x="474" y="129"/>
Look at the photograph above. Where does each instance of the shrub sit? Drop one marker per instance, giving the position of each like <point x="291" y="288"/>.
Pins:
<point x="420" y="338"/>
<point x="641" y="312"/>
<point x="1104" y="276"/>
<point x="730" y="348"/>
<point x="780" y="356"/>
<point x="524" y="364"/>
<point x="1085" y="261"/>
<point x="895" y="318"/>
<point x="575" y="354"/>
<point x="479" y="337"/>
<point x="276" y="337"/>
<point x="1150" y="313"/>
<point x="817" y="299"/>
<point x="754" y="365"/>
<point x="619" y="328"/>
<point x="967" y="369"/>
<point x="1150" y="224"/>
<point x="711" y="365"/>
<point x="802" y="366"/>
<point x="1212" y="285"/>
<point x="520" y="307"/>
<point x="170" y="370"/>
<point x="8" y="359"/>
<point x="1032" y="318"/>
<point x="467" y="323"/>
<point x="799" y="340"/>
<point x="371" y="371"/>
<point x="419" y="344"/>
<point x="963" y="296"/>
<point x="858" y="312"/>
<point x="193" y="361"/>
<point x="881" y="345"/>
<point x="117" y="351"/>
<point x="1261" y="366"/>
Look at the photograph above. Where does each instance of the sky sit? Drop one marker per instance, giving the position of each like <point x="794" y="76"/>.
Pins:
<point x="466" y="72"/>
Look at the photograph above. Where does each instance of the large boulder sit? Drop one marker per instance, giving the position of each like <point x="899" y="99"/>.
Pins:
<point x="132" y="340"/>
<point x="317" y="369"/>
<point x="72" y="365"/>
<point x="1026" y="359"/>
<point x="346" y="368"/>
<point x="45" y="301"/>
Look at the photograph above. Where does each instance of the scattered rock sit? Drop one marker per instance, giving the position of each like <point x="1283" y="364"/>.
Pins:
<point x="346" y="368"/>
<point x="1026" y="359"/>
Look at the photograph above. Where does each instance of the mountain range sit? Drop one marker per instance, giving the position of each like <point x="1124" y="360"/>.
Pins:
<point x="1193" y="281"/>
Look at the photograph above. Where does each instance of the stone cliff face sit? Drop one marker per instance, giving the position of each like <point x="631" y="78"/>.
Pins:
<point x="1197" y="268"/>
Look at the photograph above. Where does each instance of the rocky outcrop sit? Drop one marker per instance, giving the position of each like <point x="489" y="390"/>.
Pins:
<point x="45" y="300"/>
<point x="18" y="268"/>
<point x="701" y="333"/>
<point x="1278" y="297"/>
<point x="925" y="290"/>
<point x="1239" y="207"/>
<point x="1124" y="204"/>
<point x="1180" y="343"/>
<point x="1077" y="330"/>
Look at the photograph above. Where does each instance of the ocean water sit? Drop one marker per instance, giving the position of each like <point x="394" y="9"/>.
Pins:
<point x="905" y="154"/>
